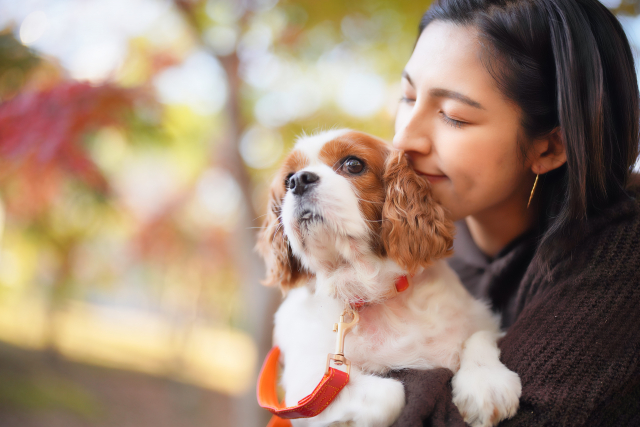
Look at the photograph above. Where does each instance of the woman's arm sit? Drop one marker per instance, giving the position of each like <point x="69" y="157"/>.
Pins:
<point x="428" y="399"/>
<point x="576" y="350"/>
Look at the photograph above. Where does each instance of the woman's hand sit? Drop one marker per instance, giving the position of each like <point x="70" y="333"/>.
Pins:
<point x="428" y="398"/>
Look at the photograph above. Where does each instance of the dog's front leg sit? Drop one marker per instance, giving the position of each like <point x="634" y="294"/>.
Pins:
<point x="367" y="401"/>
<point x="484" y="390"/>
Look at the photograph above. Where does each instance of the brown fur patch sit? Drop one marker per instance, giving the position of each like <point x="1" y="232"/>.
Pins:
<point x="415" y="229"/>
<point x="282" y="267"/>
<point x="495" y="417"/>
<point x="368" y="185"/>
<point x="294" y="162"/>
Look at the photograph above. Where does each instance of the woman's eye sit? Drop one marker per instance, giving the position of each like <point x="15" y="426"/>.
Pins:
<point x="353" y="166"/>
<point x="407" y="100"/>
<point x="452" y="122"/>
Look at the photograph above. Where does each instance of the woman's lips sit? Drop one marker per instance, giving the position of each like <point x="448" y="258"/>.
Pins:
<point x="432" y="178"/>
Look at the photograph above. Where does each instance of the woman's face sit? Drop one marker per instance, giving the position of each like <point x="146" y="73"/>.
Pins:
<point x="458" y="130"/>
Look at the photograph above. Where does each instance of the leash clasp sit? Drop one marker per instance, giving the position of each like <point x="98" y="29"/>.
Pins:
<point x="342" y="328"/>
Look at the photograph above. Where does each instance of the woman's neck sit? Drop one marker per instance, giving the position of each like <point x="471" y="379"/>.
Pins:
<point x="492" y="231"/>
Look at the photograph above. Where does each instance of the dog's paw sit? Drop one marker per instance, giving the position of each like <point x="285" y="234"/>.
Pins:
<point x="380" y="403"/>
<point x="486" y="395"/>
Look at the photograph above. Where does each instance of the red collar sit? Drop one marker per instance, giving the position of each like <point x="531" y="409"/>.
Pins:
<point x="402" y="284"/>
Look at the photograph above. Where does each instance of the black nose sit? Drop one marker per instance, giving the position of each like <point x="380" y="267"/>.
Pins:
<point x="302" y="181"/>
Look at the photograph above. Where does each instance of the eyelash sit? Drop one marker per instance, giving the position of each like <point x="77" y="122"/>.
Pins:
<point x="448" y="120"/>
<point x="451" y="122"/>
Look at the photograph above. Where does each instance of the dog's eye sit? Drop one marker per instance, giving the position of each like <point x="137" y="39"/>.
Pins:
<point x="286" y="180"/>
<point x="353" y="166"/>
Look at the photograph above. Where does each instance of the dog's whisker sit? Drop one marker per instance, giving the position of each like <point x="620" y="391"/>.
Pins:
<point x="258" y="217"/>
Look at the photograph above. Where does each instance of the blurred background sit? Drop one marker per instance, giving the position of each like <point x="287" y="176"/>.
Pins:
<point x="138" y="139"/>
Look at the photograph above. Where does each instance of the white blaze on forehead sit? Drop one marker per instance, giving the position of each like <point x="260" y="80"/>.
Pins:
<point x="311" y="145"/>
<point x="334" y="199"/>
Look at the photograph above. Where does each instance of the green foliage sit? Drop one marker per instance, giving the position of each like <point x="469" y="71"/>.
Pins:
<point x="16" y="61"/>
<point x="316" y="12"/>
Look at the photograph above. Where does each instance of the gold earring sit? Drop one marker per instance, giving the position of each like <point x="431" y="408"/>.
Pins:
<point x="532" y="190"/>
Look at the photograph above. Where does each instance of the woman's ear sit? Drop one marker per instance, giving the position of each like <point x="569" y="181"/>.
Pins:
<point x="415" y="229"/>
<point x="548" y="153"/>
<point x="283" y="268"/>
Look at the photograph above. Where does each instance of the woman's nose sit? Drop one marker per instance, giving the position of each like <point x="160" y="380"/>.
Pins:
<point x="414" y="134"/>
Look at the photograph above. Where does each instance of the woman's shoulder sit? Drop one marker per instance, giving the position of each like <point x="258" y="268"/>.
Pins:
<point x="605" y="257"/>
<point x="595" y="281"/>
<point x="576" y="333"/>
<point x="610" y="242"/>
<point x="621" y="219"/>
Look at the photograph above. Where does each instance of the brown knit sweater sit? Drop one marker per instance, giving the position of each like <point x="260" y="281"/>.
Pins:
<point x="573" y="336"/>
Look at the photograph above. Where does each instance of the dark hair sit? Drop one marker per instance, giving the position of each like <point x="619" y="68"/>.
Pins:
<point x="568" y="65"/>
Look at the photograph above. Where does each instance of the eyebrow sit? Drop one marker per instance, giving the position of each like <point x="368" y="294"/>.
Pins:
<point x="446" y="93"/>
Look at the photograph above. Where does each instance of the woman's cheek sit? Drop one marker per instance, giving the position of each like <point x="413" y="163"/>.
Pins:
<point x="457" y="193"/>
<point x="459" y="161"/>
<point x="471" y="171"/>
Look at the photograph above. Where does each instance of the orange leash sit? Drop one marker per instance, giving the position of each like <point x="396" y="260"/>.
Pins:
<point x="325" y="392"/>
<point x="276" y="421"/>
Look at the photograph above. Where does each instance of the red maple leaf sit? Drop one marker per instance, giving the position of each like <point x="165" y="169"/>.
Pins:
<point x="47" y="127"/>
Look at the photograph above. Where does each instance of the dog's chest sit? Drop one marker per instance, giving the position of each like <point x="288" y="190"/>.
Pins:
<point x="413" y="330"/>
<point x="379" y="342"/>
<point x="396" y="336"/>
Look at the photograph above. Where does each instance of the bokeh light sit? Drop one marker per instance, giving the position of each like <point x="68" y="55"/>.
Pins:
<point x="261" y="147"/>
<point x="33" y="27"/>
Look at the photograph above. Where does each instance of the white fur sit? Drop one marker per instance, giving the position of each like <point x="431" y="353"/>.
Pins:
<point x="303" y="333"/>
<point x="435" y="323"/>
<point x="483" y="384"/>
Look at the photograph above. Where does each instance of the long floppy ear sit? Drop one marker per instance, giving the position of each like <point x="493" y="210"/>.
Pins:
<point x="415" y="229"/>
<point x="283" y="268"/>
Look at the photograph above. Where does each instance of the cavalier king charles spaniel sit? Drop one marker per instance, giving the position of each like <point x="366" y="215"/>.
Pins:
<point x="347" y="217"/>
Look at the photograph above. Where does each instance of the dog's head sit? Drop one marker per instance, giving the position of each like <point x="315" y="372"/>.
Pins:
<point x="342" y="195"/>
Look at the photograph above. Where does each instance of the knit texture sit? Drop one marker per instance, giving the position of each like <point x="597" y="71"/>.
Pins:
<point x="428" y="396"/>
<point x="573" y="335"/>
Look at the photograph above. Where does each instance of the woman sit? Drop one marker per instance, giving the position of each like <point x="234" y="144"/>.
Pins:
<point x="523" y="115"/>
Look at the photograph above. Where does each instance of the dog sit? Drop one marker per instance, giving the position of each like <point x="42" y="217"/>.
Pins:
<point x="347" y="218"/>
